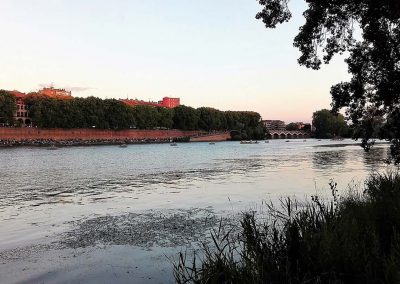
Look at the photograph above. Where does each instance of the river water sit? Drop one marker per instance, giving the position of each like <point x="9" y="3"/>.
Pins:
<point x="109" y="214"/>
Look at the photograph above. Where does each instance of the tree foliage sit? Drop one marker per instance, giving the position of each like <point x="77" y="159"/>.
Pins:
<point x="292" y="126"/>
<point x="329" y="125"/>
<point x="8" y="107"/>
<point x="186" y="118"/>
<point x="373" y="59"/>
<point x="113" y="114"/>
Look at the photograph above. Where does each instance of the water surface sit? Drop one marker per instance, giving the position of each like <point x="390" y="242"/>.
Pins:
<point x="111" y="214"/>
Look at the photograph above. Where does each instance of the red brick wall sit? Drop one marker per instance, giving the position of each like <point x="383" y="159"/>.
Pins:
<point x="212" y="137"/>
<point x="88" y="134"/>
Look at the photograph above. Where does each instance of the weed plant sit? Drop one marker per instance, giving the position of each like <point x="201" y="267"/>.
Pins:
<point x="350" y="239"/>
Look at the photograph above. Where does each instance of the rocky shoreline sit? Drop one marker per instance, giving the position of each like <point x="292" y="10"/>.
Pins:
<point x="85" y="142"/>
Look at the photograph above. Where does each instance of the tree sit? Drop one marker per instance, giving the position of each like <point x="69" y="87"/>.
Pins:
<point x="165" y="117"/>
<point x="8" y="107"/>
<point x="186" y="118"/>
<point x="328" y="125"/>
<point x="373" y="61"/>
<point x="292" y="126"/>
<point x="211" y="119"/>
<point x="245" y="125"/>
<point x="146" y="117"/>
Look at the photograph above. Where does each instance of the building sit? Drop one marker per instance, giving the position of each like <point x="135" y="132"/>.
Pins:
<point x="299" y="126"/>
<point x="166" y="102"/>
<point x="55" y="93"/>
<point x="303" y="126"/>
<point x="21" y="115"/>
<point x="274" y="124"/>
<point x="170" y="102"/>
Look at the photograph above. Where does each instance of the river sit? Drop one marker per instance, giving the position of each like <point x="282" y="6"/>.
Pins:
<point x="109" y="214"/>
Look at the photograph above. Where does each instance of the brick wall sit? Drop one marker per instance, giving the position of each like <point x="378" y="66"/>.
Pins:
<point x="212" y="137"/>
<point x="89" y="134"/>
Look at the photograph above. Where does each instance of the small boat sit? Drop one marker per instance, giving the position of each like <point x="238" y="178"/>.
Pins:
<point x="211" y="143"/>
<point x="248" y="142"/>
<point x="287" y="141"/>
<point x="52" y="147"/>
<point x="123" y="145"/>
<point x="173" y="144"/>
<point x="304" y="140"/>
<point x="266" y="141"/>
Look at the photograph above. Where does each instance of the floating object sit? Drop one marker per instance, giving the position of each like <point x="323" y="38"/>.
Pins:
<point x="248" y="142"/>
<point x="174" y="144"/>
<point x="123" y="145"/>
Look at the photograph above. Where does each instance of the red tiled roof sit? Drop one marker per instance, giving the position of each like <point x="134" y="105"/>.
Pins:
<point x="17" y="94"/>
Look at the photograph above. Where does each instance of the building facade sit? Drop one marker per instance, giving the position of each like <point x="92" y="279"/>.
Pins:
<point x="274" y="124"/>
<point x="21" y="115"/>
<point x="55" y="93"/>
<point x="170" y="102"/>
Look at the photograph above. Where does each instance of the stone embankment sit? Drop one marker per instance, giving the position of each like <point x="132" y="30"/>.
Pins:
<point x="79" y="137"/>
<point x="211" y="137"/>
<point x="82" y="142"/>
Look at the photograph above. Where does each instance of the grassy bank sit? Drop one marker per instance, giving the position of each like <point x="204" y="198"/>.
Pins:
<point x="349" y="239"/>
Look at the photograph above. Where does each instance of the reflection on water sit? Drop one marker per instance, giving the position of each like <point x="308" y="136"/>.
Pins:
<point x="36" y="193"/>
<point x="33" y="177"/>
<point x="326" y="160"/>
<point x="376" y="156"/>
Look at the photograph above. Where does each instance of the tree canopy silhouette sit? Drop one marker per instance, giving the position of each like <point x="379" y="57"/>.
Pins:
<point x="333" y="27"/>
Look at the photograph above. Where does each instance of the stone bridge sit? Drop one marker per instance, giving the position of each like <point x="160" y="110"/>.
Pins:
<point x="285" y="134"/>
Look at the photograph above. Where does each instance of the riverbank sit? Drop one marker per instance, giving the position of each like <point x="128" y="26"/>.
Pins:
<point x="351" y="238"/>
<point x="90" y="137"/>
<point x="82" y="142"/>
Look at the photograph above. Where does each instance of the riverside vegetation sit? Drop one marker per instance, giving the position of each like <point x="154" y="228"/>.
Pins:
<point x="350" y="239"/>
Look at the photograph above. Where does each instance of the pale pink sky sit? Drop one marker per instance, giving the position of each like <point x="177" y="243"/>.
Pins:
<point x="208" y="53"/>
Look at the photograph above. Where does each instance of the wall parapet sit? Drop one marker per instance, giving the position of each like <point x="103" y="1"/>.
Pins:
<point x="27" y="133"/>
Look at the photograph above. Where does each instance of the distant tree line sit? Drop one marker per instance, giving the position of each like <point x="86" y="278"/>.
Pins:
<point x="94" y="112"/>
<point x="330" y="125"/>
<point x="8" y="106"/>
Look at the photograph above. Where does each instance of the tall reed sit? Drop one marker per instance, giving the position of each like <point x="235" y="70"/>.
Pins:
<point x="350" y="239"/>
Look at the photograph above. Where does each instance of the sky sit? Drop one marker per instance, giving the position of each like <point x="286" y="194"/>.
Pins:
<point x="209" y="53"/>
